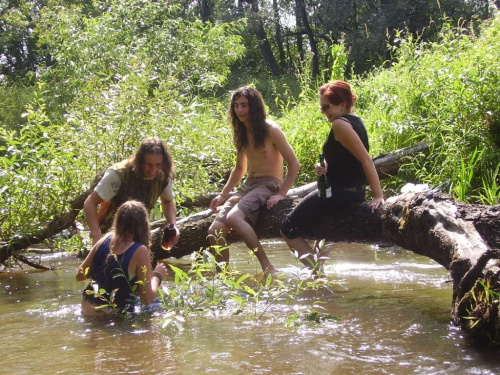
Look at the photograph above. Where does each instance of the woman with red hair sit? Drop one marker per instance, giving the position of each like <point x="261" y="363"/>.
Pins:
<point x="348" y="168"/>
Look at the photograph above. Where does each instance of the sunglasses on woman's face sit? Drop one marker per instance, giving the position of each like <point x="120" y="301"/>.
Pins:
<point x="324" y="107"/>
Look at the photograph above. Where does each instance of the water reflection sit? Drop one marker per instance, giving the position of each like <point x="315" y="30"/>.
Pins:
<point x="393" y="311"/>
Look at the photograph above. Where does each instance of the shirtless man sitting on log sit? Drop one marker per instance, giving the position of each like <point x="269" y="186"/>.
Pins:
<point x="261" y="148"/>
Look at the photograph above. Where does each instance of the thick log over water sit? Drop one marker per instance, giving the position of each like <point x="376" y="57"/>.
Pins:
<point x="463" y="238"/>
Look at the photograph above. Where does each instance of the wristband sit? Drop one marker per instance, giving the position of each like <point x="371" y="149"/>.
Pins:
<point x="157" y="274"/>
<point x="223" y="195"/>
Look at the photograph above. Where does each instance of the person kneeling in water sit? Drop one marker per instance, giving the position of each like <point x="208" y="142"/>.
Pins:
<point x="120" y="264"/>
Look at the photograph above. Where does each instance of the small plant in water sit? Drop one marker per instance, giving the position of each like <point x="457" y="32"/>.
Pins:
<point x="484" y="314"/>
<point x="320" y="256"/>
<point x="317" y="317"/>
<point x="209" y="288"/>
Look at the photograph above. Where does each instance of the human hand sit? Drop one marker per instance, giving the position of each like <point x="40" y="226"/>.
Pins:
<point x="217" y="201"/>
<point x="274" y="199"/>
<point x="375" y="203"/>
<point x="177" y="236"/>
<point x="161" y="270"/>
<point x="320" y="170"/>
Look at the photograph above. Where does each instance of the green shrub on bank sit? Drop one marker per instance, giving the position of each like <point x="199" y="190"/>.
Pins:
<point x="102" y="96"/>
<point x="447" y="92"/>
<point x="122" y="72"/>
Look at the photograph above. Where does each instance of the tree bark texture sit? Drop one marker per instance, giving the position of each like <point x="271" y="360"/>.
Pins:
<point x="264" y="44"/>
<point x="302" y="12"/>
<point x="463" y="238"/>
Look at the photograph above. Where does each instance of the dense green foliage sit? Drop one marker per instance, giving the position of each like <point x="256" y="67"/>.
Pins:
<point x="447" y="93"/>
<point x="131" y="72"/>
<point x="280" y="36"/>
<point x="121" y="71"/>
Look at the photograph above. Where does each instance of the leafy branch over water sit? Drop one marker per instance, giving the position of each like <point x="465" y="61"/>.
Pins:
<point x="201" y="290"/>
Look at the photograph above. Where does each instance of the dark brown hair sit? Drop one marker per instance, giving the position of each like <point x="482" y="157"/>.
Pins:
<point x="338" y="92"/>
<point x="257" y="115"/>
<point x="152" y="145"/>
<point x="132" y="218"/>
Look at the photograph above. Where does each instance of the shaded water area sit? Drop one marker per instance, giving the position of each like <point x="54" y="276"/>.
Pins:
<point x="393" y="309"/>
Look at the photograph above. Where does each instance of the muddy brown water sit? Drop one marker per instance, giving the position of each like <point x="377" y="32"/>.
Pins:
<point x="393" y="308"/>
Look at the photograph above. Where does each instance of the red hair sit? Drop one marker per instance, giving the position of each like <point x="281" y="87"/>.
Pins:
<point x="338" y="92"/>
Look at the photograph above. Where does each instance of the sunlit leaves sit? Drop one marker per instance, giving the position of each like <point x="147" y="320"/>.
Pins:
<point x="119" y="71"/>
<point x="442" y="92"/>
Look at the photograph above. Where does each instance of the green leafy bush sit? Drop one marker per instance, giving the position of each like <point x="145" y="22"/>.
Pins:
<point x="446" y="92"/>
<point x="120" y="72"/>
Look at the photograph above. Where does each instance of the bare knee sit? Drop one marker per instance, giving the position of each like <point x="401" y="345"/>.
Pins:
<point x="217" y="231"/>
<point x="235" y="218"/>
<point x="212" y="230"/>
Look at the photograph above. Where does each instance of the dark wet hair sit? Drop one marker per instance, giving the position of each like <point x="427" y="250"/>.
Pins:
<point x="338" y="92"/>
<point x="152" y="145"/>
<point x="257" y="115"/>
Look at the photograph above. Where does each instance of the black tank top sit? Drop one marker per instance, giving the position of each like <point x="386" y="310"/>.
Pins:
<point x="344" y="170"/>
<point x="111" y="274"/>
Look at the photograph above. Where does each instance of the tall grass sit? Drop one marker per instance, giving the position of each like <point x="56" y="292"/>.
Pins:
<point x="446" y="92"/>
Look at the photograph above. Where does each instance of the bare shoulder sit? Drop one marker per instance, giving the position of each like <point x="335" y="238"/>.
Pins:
<point x="274" y="129"/>
<point x="142" y="250"/>
<point x="141" y="255"/>
<point x="341" y="126"/>
<point x="271" y="124"/>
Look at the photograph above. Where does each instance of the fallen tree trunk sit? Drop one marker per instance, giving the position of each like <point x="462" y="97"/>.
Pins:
<point x="195" y="228"/>
<point x="61" y="222"/>
<point x="387" y="164"/>
<point x="463" y="238"/>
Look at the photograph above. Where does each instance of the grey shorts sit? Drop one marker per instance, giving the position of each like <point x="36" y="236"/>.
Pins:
<point x="253" y="195"/>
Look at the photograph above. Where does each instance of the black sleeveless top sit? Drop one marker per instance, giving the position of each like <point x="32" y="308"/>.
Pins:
<point x="344" y="170"/>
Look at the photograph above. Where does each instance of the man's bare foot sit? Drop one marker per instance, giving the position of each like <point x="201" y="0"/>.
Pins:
<point x="273" y="272"/>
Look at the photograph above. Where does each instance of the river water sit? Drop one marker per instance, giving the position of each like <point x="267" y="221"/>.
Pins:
<point x="393" y="310"/>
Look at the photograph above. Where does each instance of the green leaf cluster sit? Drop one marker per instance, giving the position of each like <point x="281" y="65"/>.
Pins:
<point x="203" y="291"/>
<point x="119" y="72"/>
<point x="445" y="92"/>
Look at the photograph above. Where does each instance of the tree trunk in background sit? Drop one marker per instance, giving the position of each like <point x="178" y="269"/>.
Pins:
<point x="206" y="10"/>
<point x="279" y="36"/>
<point x="302" y="14"/>
<point x="264" y="45"/>
<point x="299" y="26"/>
